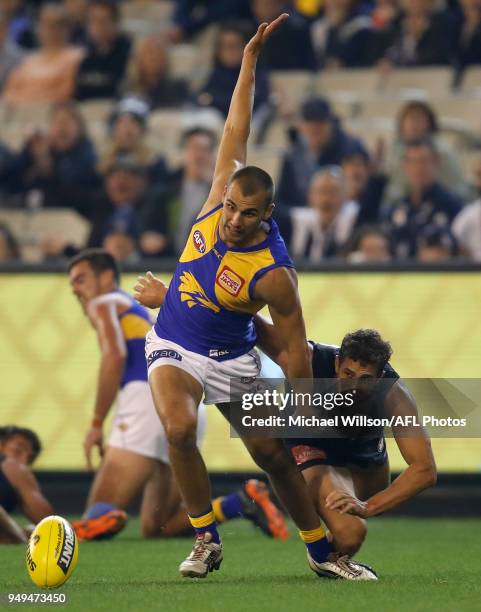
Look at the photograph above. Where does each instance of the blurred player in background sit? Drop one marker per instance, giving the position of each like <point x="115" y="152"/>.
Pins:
<point x="19" y="447"/>
<point x="135" y="458"/>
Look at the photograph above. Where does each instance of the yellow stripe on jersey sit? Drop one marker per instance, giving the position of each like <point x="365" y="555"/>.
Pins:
<point x="201" y="238"/>
<point x="134" y="326"/>
<point x="202" y="521"/>
<point x="191" y="292"/>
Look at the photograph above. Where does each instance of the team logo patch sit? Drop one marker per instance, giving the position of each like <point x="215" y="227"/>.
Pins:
<point x="302" y="454"/>
<point x="199" y="241"/>
<point x="230" y="281"/>
<point x="163" y="354"/>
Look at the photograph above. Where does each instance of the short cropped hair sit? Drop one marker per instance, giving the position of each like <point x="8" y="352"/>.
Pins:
<point x="111" y="5"/>
<point x="100" y="261"/>
<point x="366" y="346"/>
<point x="9" y="431"/>
<point x="253" y="180"/>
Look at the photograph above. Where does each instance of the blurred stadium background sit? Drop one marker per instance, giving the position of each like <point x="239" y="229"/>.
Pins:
<point x="428" y="309"/>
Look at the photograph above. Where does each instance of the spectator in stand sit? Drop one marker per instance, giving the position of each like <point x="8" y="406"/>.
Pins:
<point x="188" y="188"/>
<point x="61" y="162"/>
<point x="417" y="120"/>
<point x="343" y="36"/>
<point x="321" y="229"/>
<point x="290" y="47"/>
<point x="10" y="53"/>
<point x="370" y="244"/>
<point x="436" y="244"/>
<point x="77" y="17"/>
<point x="423" y="37"/>
<point x="318" y="140"/>
<point x="20" y="29"/>
<point x="150" y="76"/>
<point x="121" y="246"/>
<point x="426" y="201"/>
<point x="128" y="125"/>
<point x="192" y="16"/>
<point x="365" y="185"/>
<point x="46" y="75"/>
<point x="467" y="230"/>
<point x="468" y="36"/>
<point x="103" y="67"/>
<point x="9" y="249"/>
<point x="386" y="19"/>
<point x="117" y="210"/>
<point x="229" y="48"/>
<point x="6" y="170"/>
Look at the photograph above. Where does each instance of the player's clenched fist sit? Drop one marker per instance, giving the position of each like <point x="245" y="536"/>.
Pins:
<point x="150" y="291"/>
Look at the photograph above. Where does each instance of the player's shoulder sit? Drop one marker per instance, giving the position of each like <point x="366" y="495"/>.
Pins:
<point x="323" y="359"/>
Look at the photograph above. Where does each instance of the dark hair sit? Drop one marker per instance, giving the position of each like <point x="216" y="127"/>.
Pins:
<point x="9" y="431"/>
<point x="366" y="346"/>
<point x="432" y="236"/>
<point x="253" y="180"/>
<point x="368" y="230"/>
<point x="99" y="259"/>
<point x="199" y="131"/>
<point x="423" y="107"/>
<point x="110" y="5"/>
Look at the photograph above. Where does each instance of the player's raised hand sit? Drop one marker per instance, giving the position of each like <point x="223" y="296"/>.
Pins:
<point x="264" y="31"/>
<point x="93" y="438"/>
<point x="150" y="291"/>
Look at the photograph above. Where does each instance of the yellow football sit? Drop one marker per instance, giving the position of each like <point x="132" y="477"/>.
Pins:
<point x="52" y="552"/>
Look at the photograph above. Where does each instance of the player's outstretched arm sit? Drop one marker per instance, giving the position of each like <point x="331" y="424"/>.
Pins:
<point x="415" y="448"/>
<point x="278" y="289"/>
<point x="113" y="354"/>
<point x="10" y="531"/>
<point x="233" y="145"/>
<point x="34" y="505"/>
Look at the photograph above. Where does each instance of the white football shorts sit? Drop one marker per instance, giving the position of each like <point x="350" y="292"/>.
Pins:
<point x="219" y="379"/>
<point x="136" y="425"/>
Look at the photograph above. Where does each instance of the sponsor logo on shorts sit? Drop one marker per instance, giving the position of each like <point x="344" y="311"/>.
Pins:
<point x="230" y="281"/>
<point x="199" y="241"/>
<point x="248" y="380"/>
<point x="218" y="352"/>
<point x="302" y="454"/>
<point x="163" y="354"/>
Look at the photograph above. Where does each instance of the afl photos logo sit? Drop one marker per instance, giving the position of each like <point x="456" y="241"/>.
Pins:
<point x="230" y="281"/>
<point x="199" y="241"/>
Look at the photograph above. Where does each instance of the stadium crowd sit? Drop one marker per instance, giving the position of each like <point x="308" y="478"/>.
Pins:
<point x="337" y="196"/>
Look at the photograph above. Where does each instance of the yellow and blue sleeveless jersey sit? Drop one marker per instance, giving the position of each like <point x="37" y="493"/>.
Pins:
<point x="209" y="307"/>
<point x="135" y="323"/>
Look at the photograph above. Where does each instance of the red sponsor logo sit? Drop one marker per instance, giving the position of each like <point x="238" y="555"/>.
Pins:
<point x="199" y="241"/>
<point x="303" y="454"/>
<point x="230" y="281"/>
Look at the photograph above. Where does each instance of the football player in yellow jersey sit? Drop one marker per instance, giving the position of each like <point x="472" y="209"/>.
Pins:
<point x="233" y="264"/>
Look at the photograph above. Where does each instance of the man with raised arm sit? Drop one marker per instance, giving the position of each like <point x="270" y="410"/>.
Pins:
<point x="234" y="263"/>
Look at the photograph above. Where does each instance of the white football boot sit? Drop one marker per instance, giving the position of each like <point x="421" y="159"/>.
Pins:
<point x="339" y="567"/>
<point x="205" y="557"/>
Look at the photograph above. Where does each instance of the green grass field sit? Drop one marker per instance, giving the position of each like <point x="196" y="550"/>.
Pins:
<point x="422" y="564"/>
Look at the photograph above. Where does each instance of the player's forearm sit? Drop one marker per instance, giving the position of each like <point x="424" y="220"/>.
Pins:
<point x="110" y="377"/>
<point x="10" y="531"/>
<point x="299" y="363"/>
<point x="416" y="478"/>
<point x="240" y="110"/>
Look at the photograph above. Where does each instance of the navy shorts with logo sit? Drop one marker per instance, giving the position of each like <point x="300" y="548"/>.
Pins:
<point x="362" y="452"/>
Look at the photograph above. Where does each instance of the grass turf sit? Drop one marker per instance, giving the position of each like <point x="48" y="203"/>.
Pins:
<point x="422" y="564"/>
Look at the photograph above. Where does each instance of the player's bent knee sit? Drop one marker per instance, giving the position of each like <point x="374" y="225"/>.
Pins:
<point x="271" y="458"/>
<point x="182" y="434"/>
<point x="349" y="536"/>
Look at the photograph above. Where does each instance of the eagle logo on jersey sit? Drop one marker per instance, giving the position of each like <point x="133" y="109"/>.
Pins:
<point x="199" y="241"/>
<point x="230" y="281"/>
<point x="192" y="293"/>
